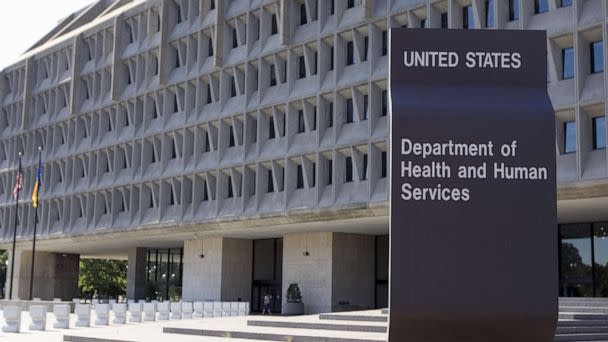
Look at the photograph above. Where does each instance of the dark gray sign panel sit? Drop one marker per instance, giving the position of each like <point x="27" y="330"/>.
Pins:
<point x="473" y="196"/>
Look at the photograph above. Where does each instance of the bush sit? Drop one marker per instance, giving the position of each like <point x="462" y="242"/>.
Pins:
<point x="293" y="294"/>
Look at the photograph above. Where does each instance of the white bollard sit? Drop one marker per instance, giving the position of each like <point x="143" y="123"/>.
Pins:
<point x="187" y="310"/>
<point x="234" y="308"/>
<point x="135" y="312"/>
<point x="62" y="316"/>
<point x="176" y="310"/>
<point x="36" y="299"/>
<point x="112" y="302"/>
<point x="12" y="319"/>
<point x="199" y="310"/>
<point x="226" y="307"/>
<point x="83" y="315"/>
<point x="120" y="313"/>
<point x="149" y="312"/>
<point x="38" y="315"/>
<point x="217" y="309"/>
<point x="163" y="311"/>
<point x="76" y="300"/>
<point x="102" y="312"/>
<point x="56" y="299"/>
<point x="243" y="309"/>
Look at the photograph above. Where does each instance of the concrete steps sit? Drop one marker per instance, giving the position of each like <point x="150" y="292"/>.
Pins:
<point x="582" y="319"/>
<point x="266" y="336"/>
<point x="353" y="317"/>
<point x="318" y="326"/>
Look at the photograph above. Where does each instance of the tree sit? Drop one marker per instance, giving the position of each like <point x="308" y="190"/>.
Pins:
<point x="108" y="277"/>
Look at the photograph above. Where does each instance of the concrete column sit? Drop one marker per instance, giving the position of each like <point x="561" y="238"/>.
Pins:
<point x="217" y="269"/>
<point x="312" y="272"/>
<point x="353" y="278"/>
<point x="136" y="273"/>
<point x="55" y="275"/>
<point x="335" y="271"/>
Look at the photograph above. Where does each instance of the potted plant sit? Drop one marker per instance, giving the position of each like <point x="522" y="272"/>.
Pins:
<point x="293" y="305"/>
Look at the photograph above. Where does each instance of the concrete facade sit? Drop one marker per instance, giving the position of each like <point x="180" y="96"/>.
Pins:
<point x="217" y="269"/>
<point x="55" y="275"/>
<point x="167" y="123"/>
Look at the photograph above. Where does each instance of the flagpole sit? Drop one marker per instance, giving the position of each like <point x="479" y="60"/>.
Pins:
<point x="35" y="226"/>
<point x="10" y="291"/>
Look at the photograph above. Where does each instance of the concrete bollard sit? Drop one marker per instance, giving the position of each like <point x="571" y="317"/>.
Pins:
<point x="176" y="310"/>
<point x="103" y="314"/>
<point x="234" y="308"/>
<point x="198" y="310"/>
<point x="243" y="308"/>
<point x="135" y="312"/>
<point x="56" y="299"/>
<point x="217" y="309"/>
<point x="62" y="316"/>
<point x="187" y="310"/>
<point x="149" y="312"/>
<point x="38" y="315"/>
<point x="226" y="307"/>
<point x="12" y="319"/>
<point x="163" y="311"/>
<point x="83" y="315"/>
<point x="120" y="313"/>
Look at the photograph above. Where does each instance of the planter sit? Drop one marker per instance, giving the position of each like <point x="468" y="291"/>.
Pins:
<point x="293" y="309"/>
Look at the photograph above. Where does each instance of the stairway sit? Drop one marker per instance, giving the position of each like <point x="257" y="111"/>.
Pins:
<point x="582" y="319"/>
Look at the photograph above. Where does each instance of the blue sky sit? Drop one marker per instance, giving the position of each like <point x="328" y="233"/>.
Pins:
<point x="23" y="22"/>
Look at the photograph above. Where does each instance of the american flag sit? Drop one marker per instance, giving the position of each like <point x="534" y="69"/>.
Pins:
<point x="18" y="184"/>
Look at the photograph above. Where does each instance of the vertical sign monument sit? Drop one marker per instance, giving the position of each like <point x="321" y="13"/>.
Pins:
<point x="473" y="196"/>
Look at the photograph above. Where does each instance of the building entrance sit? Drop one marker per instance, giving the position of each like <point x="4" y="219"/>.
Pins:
<point x="267" y="274"/>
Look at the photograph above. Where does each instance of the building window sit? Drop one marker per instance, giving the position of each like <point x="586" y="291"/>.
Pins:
<point x="231" y="141"/>
<point x="384" y="43"/>
<point x="350" y="53"/>
<point x="330" y="114"/>
<point x="569" y="137"/>
<point x="597" y="57"/>
<point x="349" y="111"/>
<point x="444" y="20"/>
<point x="314" y="119"/>
<point x="599" y="133"/>
<point x="348" y="174"/>
<point x="384" y="164"/>
<point x="365" y="47"/>
<point x="384" y="102"/>
<point x="274" y="27"/>
<point x="513" y="10"/>
<point x="270" y="187"/>
<point x="331" y="58"/>
<point x="489" y="13"/>
<point x="364" y="176"/>
<point x="468" y="18"/>
<point x="299" y="178"/>
<point x="301" y="67"/>
<point x="566" y="3"/>
<point x="541" y="6"/>
<point x="567" y="63"/>
<point x="273" y="76"/>
<point x="232" y="87"/>
<point x="365" y="105"/>
<point x="422" y="23"/>
<point x="210" y="47"/>
<point x="230" y="192"/>
<point x="301" y="127"/>
<point x="235" y="42"/>
<point x="330" y="172"/>
<point x="271" y="133"/>
<point x="303" y="19"/>
<point x="350" y="3"/>
<point x="332" y="7"/>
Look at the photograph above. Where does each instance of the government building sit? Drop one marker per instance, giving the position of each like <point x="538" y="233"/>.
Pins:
<point x="229" y="148"/>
